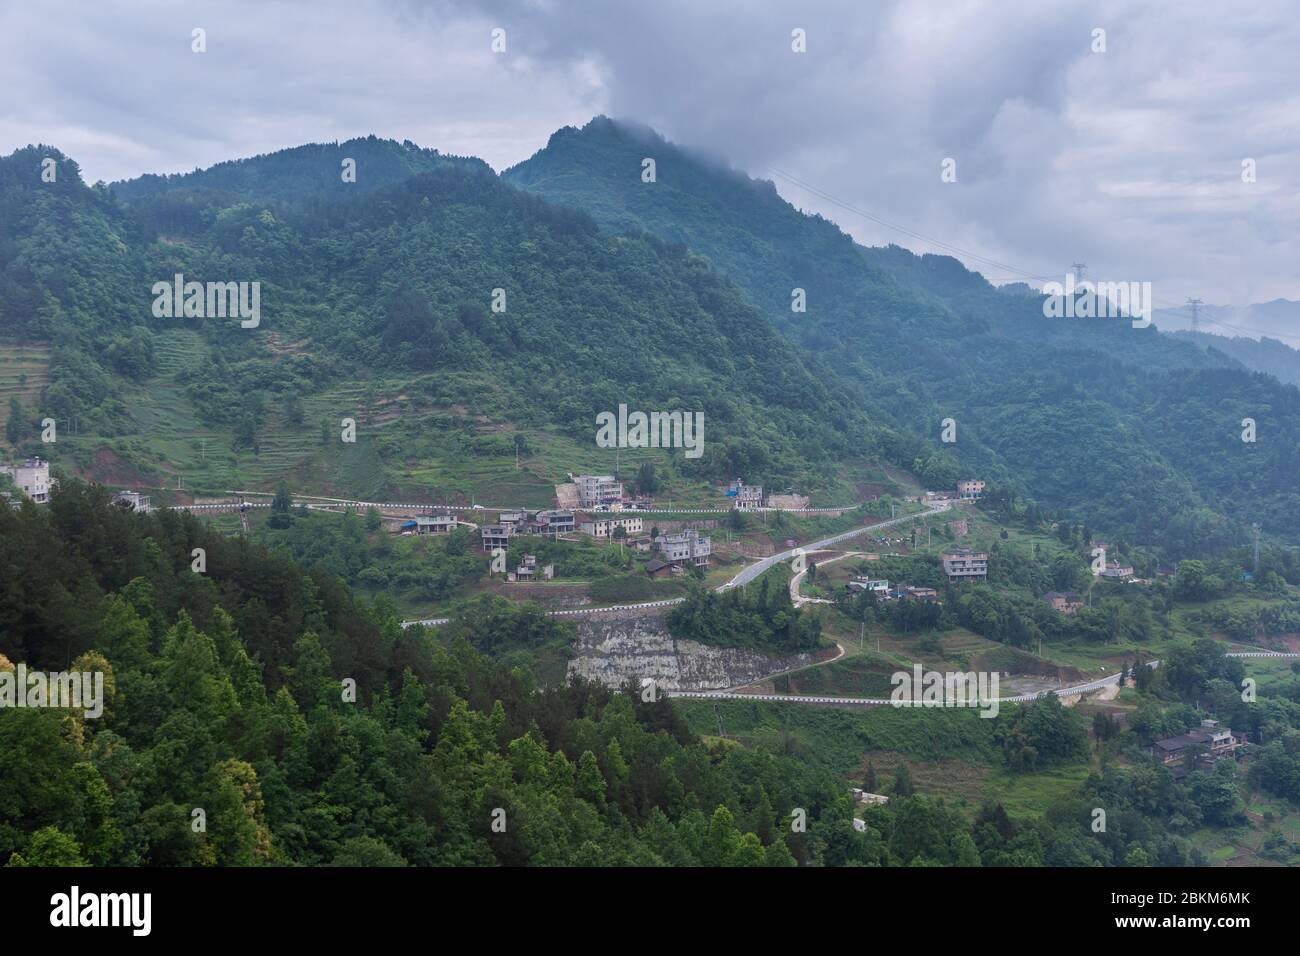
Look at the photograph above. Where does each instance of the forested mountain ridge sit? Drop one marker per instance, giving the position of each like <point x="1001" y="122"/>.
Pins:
<point x="1128" y="428"/>
<point x="400" y="280"/>
<point x="664" y="296"/>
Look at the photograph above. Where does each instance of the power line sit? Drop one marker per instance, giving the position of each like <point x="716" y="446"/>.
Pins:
<point x="1012" y="271"/>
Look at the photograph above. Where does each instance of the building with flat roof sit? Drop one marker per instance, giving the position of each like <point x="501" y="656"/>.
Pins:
<point x="685" y="547"/>
<point x="745" y="497"/>
<point x="970" y="488"/>
<point x="594" y="490"/>
<point x="605" y="527"/>
<point x="965" y="564"/>
<point x="1116" y="571"/>
<point x="496" y="536"/>
<point x="434" y="524"/>
<point x="32" y="478"/>
<point x="555" y="521"/>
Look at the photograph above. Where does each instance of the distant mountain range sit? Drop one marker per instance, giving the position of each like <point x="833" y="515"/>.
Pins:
<point x="1279" y="319"/>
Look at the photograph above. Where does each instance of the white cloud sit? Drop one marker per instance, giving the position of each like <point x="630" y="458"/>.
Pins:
<point x="1129" y="159"/>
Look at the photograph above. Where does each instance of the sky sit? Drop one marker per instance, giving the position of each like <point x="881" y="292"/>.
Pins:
<point x="1128" y="158"/>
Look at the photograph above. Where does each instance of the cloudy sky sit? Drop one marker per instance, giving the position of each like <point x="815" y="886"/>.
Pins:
<point x="1129" y="159"/>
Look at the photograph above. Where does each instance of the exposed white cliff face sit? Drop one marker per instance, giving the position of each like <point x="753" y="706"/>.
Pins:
<point x="613" y="651"/>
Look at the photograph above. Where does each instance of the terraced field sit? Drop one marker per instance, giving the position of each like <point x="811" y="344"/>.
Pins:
<point x="24" y="374"/>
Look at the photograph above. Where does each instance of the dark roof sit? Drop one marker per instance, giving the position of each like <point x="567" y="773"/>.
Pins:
<point x="654" y="564"/>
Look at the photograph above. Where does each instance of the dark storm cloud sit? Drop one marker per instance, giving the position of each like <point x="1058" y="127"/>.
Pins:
<point x="1129" y="159"/>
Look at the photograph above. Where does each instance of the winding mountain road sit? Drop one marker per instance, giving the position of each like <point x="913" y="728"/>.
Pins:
<point x="745" y="576"/>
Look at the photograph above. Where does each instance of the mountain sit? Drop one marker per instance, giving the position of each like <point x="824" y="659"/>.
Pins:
<point x="1128" y="427"/>
<point x="378" y="304"/>
<point x="679" y="294"/>
<point x="1279" y="319"/>
<point x="1259" y="355"/>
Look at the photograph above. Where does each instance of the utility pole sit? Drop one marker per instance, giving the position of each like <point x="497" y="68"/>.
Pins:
<point x="1196" y="313"/>
<point x="1256" y="527"/>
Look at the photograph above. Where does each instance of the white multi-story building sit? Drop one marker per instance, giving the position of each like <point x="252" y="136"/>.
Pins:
<point x="596" y="490"/>
<point x="747" y="497"/>
<point x="605" y="527"/>
<point x="685" y="547"/>
<point x="434" y="524"/>
<point x="32" y="478"/>
<point x="970" y="489"/>
<point x="963" y="564"/>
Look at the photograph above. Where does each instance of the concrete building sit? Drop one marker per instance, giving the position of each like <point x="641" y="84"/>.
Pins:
<point x="595" y="490"/>
<point x="745" y="497"/>
<point x="963" y="564"/>
<point x="557" y="521"/>
<point x="529" y="570"/>
<point x="496" y="536"/>
<point x="434" y="524"/>
<point x="685" y="547"/>
<point x="971" y="489"/>
<point x="1067" y="602"/>
<point x="516" y="519"/>
<point x="32" y="478"/>
<point x="909" y="592"/>
<point x="605" y="527"/>
<point x="133" y="501"/>
<point x="1116" y="571"/>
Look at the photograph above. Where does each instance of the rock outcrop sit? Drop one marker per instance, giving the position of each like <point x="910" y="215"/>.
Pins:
<point x="614" y="650"/>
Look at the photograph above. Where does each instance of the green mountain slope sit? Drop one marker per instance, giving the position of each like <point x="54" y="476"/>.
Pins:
<point x="1126" y="427"/>
<point x="377" y="305"/>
